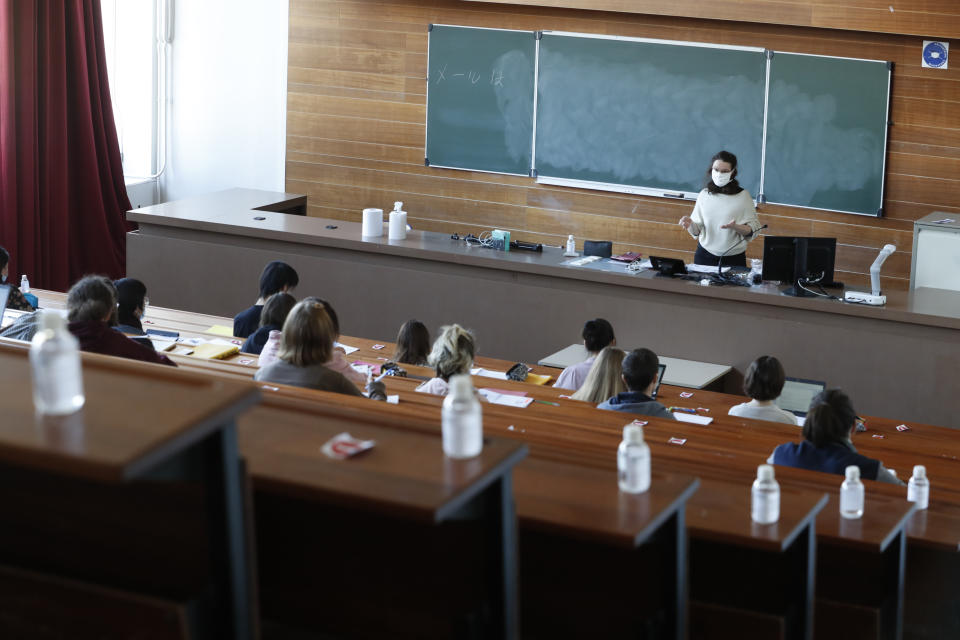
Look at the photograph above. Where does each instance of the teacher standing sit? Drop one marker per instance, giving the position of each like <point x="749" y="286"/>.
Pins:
<point x="724" y="218"/>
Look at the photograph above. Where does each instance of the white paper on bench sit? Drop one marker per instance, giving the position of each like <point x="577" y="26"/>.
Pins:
<point x="346" y="349"/>
<point x="505" y="399"/>
<point x="486" y="373"/>
<point x="692" y="417"/>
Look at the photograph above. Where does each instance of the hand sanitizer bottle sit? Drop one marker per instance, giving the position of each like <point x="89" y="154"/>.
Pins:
<point x="462" y="420"/>
<point x="55" y="366"/>
<point x="851" y="494"/>
<point x="765" y="499"/>
<point x="24" y="284"/>
<point x="633" y="461"/>
<point x="918" y="489"/>
<point x="571" y="246"/>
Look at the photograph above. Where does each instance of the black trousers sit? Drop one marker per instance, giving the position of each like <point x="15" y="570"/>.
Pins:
<point x="706" y="258"/>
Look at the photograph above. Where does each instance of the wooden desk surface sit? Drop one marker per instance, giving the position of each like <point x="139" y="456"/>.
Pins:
<point x="405" y="473"/>
<point x="136" y="414"/>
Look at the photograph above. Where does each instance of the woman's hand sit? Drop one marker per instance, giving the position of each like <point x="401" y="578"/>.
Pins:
<point x="742" y="229"/>
<point x="685" y="222"/>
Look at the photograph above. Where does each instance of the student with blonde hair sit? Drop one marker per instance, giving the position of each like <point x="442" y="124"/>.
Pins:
<point x="604" y="379"/>
<point x="306" y="346"/>
<point x="452" y="354"/>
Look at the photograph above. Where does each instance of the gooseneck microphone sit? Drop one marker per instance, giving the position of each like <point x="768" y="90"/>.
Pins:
<point x="746" y="237"/>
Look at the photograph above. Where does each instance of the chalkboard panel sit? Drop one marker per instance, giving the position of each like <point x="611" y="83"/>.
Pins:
<point x="480" y="92"/>
<point x="827" y="133"/>
<point x="647" y="113"/>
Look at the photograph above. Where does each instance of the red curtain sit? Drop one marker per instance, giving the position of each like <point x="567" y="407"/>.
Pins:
<point x="62" y="195"/>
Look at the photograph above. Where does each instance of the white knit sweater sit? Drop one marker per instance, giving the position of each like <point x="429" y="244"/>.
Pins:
<point x="716" y="209"/>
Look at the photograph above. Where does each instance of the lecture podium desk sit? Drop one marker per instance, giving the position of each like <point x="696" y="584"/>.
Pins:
<point x="345" y="544"/>
<point x="141" y="492"/>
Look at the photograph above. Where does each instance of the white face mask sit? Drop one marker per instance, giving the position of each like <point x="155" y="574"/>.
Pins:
<point x="720" y="178"/>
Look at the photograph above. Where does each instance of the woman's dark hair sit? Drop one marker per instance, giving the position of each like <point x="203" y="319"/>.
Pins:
<point x="4" y="258"/>
<point x="91" y="299"/>
<point x="731" y="188"/>
<point x="277" y="275"/>
<point x="413" y="343"/>
<point x="830" y="418"/>
<point x="640" y="368"/>
<point x="597" y="334"/>
<point x="276" y="309"/>
<point x="764" y="379"/>
<point x="130" y="296"/>
<point x="334" y="320"/>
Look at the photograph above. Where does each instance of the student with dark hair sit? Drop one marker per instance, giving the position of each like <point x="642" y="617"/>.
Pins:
<point x="826" y="447"/>
<point x="764" y="382"/>
<point x="275" y="312"/>
<point x="91" y="305"/>
<point x="596" y="334"/>
<point x="640" y="370"/>
<point x="132" y="304"/>
<point x="277" y="277"/>
<point x="413" y="343"/>
<point x="16" y="299"/>
<point x="724" y="218"/>
<point x="305" y="346"/>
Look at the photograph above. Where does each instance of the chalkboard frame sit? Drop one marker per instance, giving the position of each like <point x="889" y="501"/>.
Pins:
<point x="426" y="136"/>
<point x="886" y="135"/>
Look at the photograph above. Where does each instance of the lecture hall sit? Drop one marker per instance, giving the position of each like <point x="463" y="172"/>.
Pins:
<point x="512" y="319"/>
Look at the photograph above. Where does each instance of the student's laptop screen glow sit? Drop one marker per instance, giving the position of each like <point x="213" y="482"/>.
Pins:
<point x="797" y="395"/>
<point x="660" y="373"/>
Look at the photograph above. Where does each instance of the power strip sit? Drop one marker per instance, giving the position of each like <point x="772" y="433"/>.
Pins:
<point x="859" y="297"/>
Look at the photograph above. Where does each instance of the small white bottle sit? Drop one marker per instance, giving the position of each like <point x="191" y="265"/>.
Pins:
<point x="55" y="367"/>
<point x="571" y="246"/>
<point x="765" y="497"/>
<point x="24" y="284"/>
<point x="633" y="461"/>
<point x="462" y="420"/>
<point x="918" y="489"/>
<point x="851" y="494"/>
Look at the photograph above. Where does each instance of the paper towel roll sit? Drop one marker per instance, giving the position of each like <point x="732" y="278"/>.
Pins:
<point x="398" y="225"/>
<point x="372" y="223"/>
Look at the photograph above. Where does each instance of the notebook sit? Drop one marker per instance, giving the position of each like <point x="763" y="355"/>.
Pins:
<point x="797" y="394"/>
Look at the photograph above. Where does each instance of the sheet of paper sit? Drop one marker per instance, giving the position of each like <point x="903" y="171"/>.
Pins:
<point x="692" y="418"/>
<point x="393" y="399"/>
<point x="507" y="400"/>
<point x="163" y="345"/>
<point x="221" y="330"/>
<point x="486" y="373"/>
<point x="346" y="349"/>
<point x="507" y="392"/>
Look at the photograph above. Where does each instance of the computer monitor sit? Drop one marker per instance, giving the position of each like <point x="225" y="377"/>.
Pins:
<point x="797" y="395"/>
<point x="798" y="261"/>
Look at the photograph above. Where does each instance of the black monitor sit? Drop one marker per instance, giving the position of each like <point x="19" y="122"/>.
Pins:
<point x="799" y="261"/>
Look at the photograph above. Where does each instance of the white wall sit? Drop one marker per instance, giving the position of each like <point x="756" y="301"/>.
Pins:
<point x="227" y="97"/>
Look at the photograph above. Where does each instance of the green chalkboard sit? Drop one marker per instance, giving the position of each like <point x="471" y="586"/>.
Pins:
<point x="480" y="91"/>
<point x="827" y="133"/>
<point x="646" y="113"/>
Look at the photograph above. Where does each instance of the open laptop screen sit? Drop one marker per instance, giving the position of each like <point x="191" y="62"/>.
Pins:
<point x="656" y="390"/>
<point x="797" y="395"/>
<point x="4" y="296"/>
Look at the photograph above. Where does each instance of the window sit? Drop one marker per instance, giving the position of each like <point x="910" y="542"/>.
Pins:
<point x="135" y="40"/>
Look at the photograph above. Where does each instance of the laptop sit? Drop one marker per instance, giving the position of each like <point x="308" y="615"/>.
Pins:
<point x="656" y="389"/>
<point x="4" y="296"/>
<point x="797" y="395"/>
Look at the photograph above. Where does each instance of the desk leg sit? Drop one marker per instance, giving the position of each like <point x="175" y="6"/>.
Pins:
<point x="809" y="541"/>
<point x="502" y="544"/>
<point x="678" y="531"/>
<point x="229" y="544"/>
<point x="893" y="614"/>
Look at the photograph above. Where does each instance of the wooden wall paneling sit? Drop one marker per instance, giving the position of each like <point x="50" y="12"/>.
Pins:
<point x="356" y="113"/>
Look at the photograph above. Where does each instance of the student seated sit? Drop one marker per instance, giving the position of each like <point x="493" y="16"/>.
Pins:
<point x="605" y="379"/>
<point x="452" y="353"/>
<point x="91" y="305"/>
<point x="830" y="423"/>
<point x="277" y="276"/>
<point x="275" y="312"/>
<point x="640" y="370"/>
<point x="16" y="300"/>
<point x="597" y="334"/>
<point x="306" y="345"/>
<point x="132" y="304"/>
<point x="413" y="344"/>
<point x="764" y="382"/>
